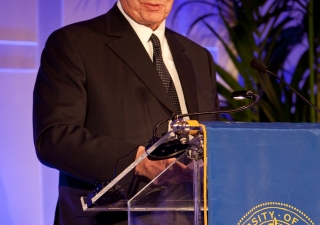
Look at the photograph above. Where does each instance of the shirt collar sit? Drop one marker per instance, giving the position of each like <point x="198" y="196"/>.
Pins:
<point x="142" y="31"/>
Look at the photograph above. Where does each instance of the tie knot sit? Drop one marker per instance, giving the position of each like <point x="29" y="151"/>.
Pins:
<point x="156" y="44"/>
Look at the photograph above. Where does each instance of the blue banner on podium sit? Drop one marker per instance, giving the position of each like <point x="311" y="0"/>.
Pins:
<point x="263" y="173"/>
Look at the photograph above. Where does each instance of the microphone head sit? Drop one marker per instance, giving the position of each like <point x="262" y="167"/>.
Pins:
<point x="258" y="65"/>
<point x="240" y="95"/>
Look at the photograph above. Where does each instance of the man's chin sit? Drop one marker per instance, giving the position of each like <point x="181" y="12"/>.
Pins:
<point x="154" y="21"/>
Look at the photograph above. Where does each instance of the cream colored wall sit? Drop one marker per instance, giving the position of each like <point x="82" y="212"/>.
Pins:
<point x="77" y="10"/>
<point x="19" y="169"/>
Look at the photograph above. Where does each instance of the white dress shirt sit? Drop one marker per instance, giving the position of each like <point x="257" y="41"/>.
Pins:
<point x="144" y="34"/>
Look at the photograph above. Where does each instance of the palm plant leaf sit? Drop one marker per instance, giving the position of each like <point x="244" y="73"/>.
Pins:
<point x="259" y="29"/>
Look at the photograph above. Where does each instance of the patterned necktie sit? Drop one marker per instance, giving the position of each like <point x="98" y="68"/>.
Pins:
<point x="164" y="73"/>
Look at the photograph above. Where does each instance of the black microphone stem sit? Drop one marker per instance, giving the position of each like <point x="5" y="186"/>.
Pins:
<point x="303" y="98"/>
<point x="261" y="67"/>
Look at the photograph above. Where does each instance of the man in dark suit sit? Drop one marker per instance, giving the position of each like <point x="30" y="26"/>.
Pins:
<point x="98" y="95"/>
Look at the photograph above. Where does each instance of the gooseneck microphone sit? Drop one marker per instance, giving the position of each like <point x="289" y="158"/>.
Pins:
<point x="174" y="146"/>
<point x="261" y="67"/>
<point x="237" y="95"/>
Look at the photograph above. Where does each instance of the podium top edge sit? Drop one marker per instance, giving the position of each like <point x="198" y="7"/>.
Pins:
<point x="261" y="125"/>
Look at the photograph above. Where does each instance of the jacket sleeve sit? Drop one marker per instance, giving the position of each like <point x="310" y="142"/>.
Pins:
<point x="59" y="117"/>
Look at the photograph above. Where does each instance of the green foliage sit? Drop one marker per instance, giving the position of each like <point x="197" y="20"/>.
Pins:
<point x="270" y="31"/>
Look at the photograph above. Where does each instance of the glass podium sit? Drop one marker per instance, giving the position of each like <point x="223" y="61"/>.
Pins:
<point x="170" y="199"/>
<point x="175" y="196"/>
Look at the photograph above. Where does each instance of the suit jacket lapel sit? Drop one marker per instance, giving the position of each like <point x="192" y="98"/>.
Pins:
<point x="186" y="72"/>
<point x="128" y="46"/>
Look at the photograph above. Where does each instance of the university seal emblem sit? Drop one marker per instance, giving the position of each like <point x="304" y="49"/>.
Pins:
<point x="275" y="213"/>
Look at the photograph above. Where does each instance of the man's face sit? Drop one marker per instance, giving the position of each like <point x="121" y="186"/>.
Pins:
<point x="147" y="12"/>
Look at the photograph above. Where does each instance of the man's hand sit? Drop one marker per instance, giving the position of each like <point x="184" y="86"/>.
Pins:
<point x="151" y="168"/>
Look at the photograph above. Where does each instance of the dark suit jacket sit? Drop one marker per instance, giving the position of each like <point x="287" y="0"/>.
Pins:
<point x="98" y="96"/>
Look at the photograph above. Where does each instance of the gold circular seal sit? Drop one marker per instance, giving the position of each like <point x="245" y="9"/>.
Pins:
<point x="275" y="213"/>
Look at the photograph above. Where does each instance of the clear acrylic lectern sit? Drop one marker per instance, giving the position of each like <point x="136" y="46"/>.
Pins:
<point x="175" y="196"/>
